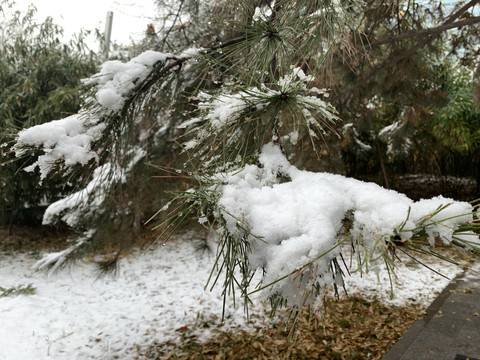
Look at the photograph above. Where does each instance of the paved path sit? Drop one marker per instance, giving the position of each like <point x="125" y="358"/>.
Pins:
<point x="450" y="329"/>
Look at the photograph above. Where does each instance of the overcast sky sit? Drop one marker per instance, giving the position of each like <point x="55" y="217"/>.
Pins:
<point x="130" y="17"/>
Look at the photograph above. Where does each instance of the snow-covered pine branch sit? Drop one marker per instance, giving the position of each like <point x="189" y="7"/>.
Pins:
<point x="67" y="141"/>
<point x="100" y="140"/>
<point x="115" y="91"/>
<point x="88" y="203"/>
<point x="289" y="225"/>
<point x="232" y="123"/>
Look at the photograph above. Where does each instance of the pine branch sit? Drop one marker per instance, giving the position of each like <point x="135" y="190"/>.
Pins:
<point x="177" y="62"/>
<point x="144" y="87"/>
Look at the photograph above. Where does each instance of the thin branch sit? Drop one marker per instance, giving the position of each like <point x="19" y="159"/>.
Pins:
<point x="173" y="24"/>
<point x="423" y="264"/>
<point x="464" y="8"/>
<point x="425" y="32"/>
<point x="177" y="63"/>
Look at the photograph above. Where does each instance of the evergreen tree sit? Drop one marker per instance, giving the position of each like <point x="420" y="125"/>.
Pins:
<point x="242" y="107"/>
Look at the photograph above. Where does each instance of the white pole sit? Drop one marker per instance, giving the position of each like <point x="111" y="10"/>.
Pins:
<point x="108" y="32"/>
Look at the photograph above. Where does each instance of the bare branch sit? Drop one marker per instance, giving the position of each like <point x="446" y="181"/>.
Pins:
<point x="177" y="16"/>
<point x="426" y="32"/>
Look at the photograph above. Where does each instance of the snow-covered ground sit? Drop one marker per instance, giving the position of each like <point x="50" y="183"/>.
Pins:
<point x="75" y="315"/>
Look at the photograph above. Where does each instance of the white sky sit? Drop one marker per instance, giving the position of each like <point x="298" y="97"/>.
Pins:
<point x="130" y="17"/>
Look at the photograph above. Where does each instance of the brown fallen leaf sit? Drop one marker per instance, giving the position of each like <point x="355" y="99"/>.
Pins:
<point x="359" y="329"/>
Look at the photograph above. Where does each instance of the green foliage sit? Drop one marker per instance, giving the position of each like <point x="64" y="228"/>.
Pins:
<point x="28" y="289"/>
<point x="434" y="130"/>
<point x="397" y="69"/>
<point x="39" y="81"/>
<point x="457" y="124"/>
<point x="236" y="125"/>
<point x="40" y="75"/>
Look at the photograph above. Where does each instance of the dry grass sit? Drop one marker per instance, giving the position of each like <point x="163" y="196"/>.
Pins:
<point x="351" y="329"/>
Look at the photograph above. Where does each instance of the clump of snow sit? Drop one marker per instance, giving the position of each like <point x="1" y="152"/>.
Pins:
<point x="225" y="108"/>
<point x="66" y="140"/>
<point x="117" y="79"/>
<point x="299" y="221"/>
<point x="192" y="52"/>
<point x="291" y="79"/>
<point x="262" y="14"/>
<point x="293" y="137"/>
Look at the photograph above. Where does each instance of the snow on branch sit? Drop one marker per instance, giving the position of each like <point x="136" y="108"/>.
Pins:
<point x="116" y="81"/>
<point x="68" y="141"/>
<point x="55" y="261"/>
<point x="88" y="201"/>
<point x="247" y="117"/>
<point x="292" y="229"/>
<point x="71" y="140"/>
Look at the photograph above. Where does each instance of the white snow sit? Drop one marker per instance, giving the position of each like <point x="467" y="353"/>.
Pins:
<point x="413" y="284"/>
<point x="225" y="108"/>
<point x="74" y="315"/>
<point x="192" y="52"/>
<point x="262" y="14"/>
<point x="299" y="221"/>
<point x="67" y="140"/>
<point x="117" y="79"/>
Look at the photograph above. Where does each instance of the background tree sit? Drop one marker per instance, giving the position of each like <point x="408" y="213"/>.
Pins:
<point x="39" y="81"/>
<point x="395" y="73"/>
